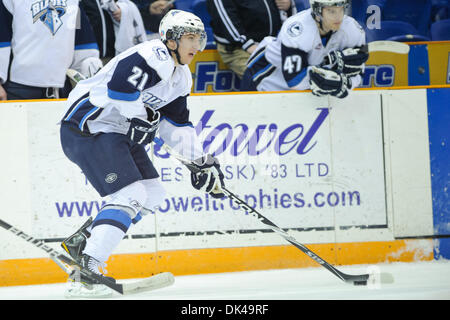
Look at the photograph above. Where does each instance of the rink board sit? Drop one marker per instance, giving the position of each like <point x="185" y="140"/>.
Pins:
<point x="339" y="175"/>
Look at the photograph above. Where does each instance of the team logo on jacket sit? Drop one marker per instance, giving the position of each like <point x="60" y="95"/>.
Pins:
<point x="49" y="12"/>
<point x="295" y="29"/>
<point x="111" y="177"/>
<point x="151" y="101"/>
<point x="161" y="53"/>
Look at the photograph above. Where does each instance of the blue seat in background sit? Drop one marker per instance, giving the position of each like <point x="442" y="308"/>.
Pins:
<point x="359" y="8"/>
<point x="440" y="30"/>
<point x="415" y="12"/>
<point x="302" y="5"/>
<point x="440" y="2"/>
<point x="184" y="5"/>
<point x="211" y="43"/>
<point x="198" y="7"/>
<point x="395" y="31"/>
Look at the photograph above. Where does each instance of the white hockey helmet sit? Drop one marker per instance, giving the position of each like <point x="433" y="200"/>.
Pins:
<point x="317" y="5"/>
<point x="177" y="22"/>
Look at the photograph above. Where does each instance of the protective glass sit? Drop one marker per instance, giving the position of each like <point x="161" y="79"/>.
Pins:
<point x="196" y="39"/>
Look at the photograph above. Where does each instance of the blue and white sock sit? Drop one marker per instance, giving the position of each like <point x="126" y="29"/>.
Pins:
<point x="108" y="229"/>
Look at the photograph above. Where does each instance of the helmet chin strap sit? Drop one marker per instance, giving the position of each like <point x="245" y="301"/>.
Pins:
<point x="177" y="54"/>
<point x="320" y="22"/>
<point x="315" y="15"/>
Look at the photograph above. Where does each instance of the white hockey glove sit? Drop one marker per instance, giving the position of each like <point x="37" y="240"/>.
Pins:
<point x="206" y="176"/>
<point x="349" y="61"/>
<point x="143" y="131"/>
<point x="90" y="66"/>
<point x="324" y="82"/>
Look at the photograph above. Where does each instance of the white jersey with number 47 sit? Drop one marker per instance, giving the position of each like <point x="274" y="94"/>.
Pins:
<point x="283" y="61"/>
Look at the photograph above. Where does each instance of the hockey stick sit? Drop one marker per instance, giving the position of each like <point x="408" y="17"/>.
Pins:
<point x="352" y="279"/>
<point x="160" y="280"/>
<point x="388" y="46"/>
<point x="74" y="76"/>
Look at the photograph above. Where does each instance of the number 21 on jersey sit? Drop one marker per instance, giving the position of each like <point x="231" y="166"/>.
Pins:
<point x="138" y="78"/>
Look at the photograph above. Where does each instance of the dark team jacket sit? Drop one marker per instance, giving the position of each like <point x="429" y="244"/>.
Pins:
<point x="241" y="23"/>
<point x="103" y="27"/>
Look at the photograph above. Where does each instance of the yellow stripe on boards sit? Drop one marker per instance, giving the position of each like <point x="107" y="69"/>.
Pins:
<point x="16" y="272"/>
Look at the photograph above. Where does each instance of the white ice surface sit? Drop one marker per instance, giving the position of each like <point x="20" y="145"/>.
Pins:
<point x="418" y="280"/>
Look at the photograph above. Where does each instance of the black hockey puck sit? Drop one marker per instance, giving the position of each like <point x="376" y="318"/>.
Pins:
<point x="360" y="283"/>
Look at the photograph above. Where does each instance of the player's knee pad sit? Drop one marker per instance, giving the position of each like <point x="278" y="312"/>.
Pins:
<point x="155" y="194"/>
<point x="139" y="198"/>
<point x="129" y="199"/>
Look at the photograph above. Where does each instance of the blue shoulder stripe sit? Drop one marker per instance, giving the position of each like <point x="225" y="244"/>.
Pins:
<point x="116" y="95"/>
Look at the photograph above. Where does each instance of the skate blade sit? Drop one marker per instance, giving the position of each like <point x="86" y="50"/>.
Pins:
<point x="77" y="290"/>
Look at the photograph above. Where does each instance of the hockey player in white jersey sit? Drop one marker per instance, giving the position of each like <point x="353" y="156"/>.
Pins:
<point x="320" y="48"/>
<point x="39" y="41"/>
<point x="113" y="115"/>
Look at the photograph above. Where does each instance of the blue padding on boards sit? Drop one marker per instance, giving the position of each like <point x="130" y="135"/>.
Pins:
<point x="418" y="65"/>
<point x="439" y="135"/>
<point x="442" y="248"/>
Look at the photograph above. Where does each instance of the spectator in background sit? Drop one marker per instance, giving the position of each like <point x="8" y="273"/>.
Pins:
<point x="152" y="11"/>
<point x="103" y="26"/>
<point x="117" y="25"/>
<point x="239" y="25"/>
<point x="44" y="43"/>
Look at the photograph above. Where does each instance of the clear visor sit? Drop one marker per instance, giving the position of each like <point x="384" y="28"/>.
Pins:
<point x="195" y="38"/>
<point x="196" y="35"/>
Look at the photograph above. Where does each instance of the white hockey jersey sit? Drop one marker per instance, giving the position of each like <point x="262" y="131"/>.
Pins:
<point x="141" y="77"/>
<point x="282" y="63"/>
<point x="46" y="37"/>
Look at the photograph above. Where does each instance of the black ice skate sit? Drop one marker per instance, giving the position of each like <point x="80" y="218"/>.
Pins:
<point x="75" y="244"/>
<point x="93" y="265"/>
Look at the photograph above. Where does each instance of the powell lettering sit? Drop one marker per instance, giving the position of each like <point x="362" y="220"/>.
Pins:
<point x="240" y="139"/>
